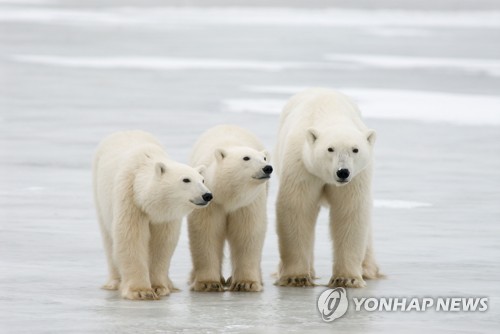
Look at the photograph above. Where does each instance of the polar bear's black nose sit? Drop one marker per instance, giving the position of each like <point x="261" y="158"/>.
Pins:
<point x="268" y="169"/>
<point x="207" y="197"/>
<point x="343" y="173"/>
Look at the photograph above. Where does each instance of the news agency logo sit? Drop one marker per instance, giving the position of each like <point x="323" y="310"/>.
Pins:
<point x="333" y="304"/>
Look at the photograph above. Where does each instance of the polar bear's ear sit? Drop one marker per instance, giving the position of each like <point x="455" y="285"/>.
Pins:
<point x="371" y="136"/>
<point x="312" y="135"/>
<point x="201" y="169"/>
<point x="160" y="168"/>
<point x="220" y="154"/>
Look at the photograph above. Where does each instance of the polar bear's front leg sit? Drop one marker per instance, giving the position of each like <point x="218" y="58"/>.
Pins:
<point x="246" y="233"/>
<point x="349" y="225"/>
<point x="113" y="282"/>
<point x="370" y="267"/>
<point x="164" y="238"/>
<point x="131" y="251"/>
<point x="297" y="209"/>
<point x="207" y="232"/>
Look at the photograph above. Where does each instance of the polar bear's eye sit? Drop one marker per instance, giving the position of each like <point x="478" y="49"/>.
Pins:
<point x="265" y="159"/>
<point x="355" y="150"/>
<point x="246" y="158"/>
<point x="186" y="180"/>
<point x="330" y="149"/>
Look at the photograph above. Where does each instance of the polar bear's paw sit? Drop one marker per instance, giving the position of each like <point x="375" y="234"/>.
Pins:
<point x="346" y="282"/>
<point x="112" y="284"/>
<point x="371" y="271"/>
<point x="245" y="286"/>
<point x="297" y="281"/>
<point x="161" y="290"/>
<point x="140" y="294"/>
<point x="207" y="286"/>
<point x="171" y="287"/>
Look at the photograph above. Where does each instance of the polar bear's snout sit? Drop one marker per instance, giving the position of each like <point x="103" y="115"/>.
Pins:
<point x="207" y="197"/>
<point x="268" y="169"/>
<point x="343" y="175"/>
<point x="204" y="200"/>
<point x="264" y="173"/>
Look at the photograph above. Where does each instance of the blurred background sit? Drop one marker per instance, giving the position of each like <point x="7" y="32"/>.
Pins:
<point x="426" y="75"/>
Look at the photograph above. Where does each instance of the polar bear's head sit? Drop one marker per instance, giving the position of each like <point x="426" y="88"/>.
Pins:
<point x="337" y="155"/>
<point x="243" y="164"/>
<point x="170" y="190"/>
<point x="236" y="175"/>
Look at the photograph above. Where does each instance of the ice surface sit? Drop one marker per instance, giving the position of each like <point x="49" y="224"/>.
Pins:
<point x="436" y="216"/>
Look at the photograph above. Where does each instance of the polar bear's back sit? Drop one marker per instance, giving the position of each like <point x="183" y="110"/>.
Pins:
<point x="119" y="145"/>
<point x="221" y="136"/>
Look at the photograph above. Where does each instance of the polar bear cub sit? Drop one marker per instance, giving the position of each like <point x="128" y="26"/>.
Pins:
<point x="141" y="197"/>
<point x="324" y="155"/>
<point x="237" y="172"/>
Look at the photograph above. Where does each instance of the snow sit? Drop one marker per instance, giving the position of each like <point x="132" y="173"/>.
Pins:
<point x="254" y="16"/>
<point x="73" y="73"/>
<point x="31" y="2"/>
<point x="445" y="107"/>
<point x="397" y="204"/>
<point x="488" y="66"/>
<point x="161" y="64"/>
<point x="397" y="32"/>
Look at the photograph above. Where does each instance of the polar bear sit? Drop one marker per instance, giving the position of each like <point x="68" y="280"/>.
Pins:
<point x="237" y="172"/>
<point x="324" y="156"/>
<point x="141" y="197"/>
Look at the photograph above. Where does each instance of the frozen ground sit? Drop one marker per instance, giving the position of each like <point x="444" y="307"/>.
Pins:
<point x="71" y="73"/>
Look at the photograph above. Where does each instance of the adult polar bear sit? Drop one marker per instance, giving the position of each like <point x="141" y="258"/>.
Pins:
<point x="237" y="172"/>
<point x="141" y="197"/>
<point x="324" y="155"/>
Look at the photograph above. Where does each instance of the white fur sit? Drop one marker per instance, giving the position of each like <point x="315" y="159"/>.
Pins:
<point x="141" y="198"/>
<point x="311" y="123"/>
<point x="237" y="214"/>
